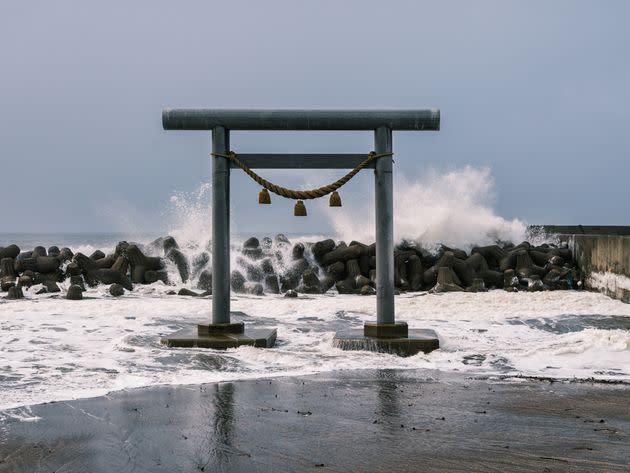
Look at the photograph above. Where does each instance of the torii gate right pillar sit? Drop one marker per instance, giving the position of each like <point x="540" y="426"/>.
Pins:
<point x="386" y="335"/>
<point x="384" y="205"/>
<point x="385" y="325"/>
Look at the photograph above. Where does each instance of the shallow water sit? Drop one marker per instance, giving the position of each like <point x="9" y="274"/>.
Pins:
<point x="56" y="349"/>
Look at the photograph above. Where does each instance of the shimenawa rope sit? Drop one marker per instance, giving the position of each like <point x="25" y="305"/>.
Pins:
<point x="307" y="194"/>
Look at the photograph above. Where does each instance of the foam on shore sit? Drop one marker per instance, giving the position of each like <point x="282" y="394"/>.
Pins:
<point x="56" y="349"/>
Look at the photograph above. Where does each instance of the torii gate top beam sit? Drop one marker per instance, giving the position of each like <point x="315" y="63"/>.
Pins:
<point x="259" y="119"/>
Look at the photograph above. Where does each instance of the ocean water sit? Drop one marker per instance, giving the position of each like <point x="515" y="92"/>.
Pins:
<point x="53" y="349"/>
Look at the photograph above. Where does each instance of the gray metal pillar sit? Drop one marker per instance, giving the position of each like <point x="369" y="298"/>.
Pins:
<point x="220" y="227"/>
<point x="384" y="227"/>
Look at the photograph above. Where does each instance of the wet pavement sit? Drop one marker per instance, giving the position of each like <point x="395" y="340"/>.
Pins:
<point x="372" y="420"/>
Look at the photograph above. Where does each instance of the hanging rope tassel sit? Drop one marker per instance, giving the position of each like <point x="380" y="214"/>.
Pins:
<point x="264" y="197"/>
<point x="335" y="199"/>
<point x="300" y="209"/>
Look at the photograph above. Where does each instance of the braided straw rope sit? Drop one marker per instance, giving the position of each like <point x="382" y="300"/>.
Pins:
<point x="307" y="194"/>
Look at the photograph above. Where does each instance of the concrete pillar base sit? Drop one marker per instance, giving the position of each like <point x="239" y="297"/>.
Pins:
<point x="221" y="336"/>
<point x="395" y="339"/>
<point x="213" y="329"/>
<point x="396" y="330"/>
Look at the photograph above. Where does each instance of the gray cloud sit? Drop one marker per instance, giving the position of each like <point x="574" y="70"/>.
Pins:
<point x="537" y="91"/>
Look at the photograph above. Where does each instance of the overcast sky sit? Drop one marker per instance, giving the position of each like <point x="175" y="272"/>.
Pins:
<point x="537" y="91"/>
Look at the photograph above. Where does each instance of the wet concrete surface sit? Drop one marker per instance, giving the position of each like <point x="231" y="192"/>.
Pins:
<point x="388" y="420"/>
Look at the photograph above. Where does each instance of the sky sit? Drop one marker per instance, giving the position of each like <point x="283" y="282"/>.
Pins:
<point x="534" y="92"/>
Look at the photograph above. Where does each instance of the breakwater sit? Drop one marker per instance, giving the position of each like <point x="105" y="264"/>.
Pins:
<point x="279" y="265"/>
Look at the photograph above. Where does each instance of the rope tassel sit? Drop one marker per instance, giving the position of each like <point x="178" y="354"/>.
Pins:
<point x="264" y="197"/>
<point x="300" y="209"/>
<point x="335" y="199"/>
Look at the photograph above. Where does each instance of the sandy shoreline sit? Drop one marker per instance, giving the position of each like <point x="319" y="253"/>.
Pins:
<point x="371" y="420"/>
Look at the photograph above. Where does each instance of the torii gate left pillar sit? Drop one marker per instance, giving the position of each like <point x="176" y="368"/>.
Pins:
<point x="220" y="227"/>
<point x="385" y="334"/>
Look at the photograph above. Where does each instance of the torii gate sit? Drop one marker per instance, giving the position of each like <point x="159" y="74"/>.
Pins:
<point x="384" y="335"/>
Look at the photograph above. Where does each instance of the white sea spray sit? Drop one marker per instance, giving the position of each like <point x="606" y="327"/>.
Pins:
<point x="608" y="281"/>
<point x="454" y="208"/>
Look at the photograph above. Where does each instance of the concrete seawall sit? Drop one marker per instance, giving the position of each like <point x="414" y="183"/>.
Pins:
<point x="605" y="263"/>
<point x="582" y="229"/>
<point x="602" y="253"/>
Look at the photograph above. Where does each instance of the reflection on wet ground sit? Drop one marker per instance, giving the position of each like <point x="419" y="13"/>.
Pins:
<point x="370" y="420"/>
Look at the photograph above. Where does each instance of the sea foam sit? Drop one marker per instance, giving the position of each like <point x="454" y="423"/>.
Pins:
<point x="56" y="349"/>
